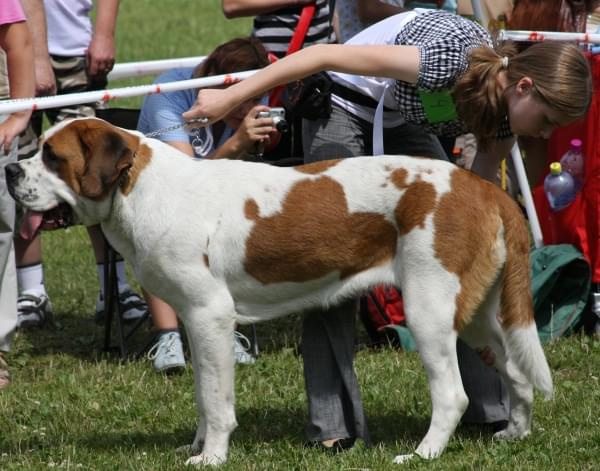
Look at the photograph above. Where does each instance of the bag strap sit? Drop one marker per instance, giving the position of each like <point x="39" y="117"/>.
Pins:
<point x="379" y="308"/>
<point x="306" y="16"/>
<point x="301" y="28"/>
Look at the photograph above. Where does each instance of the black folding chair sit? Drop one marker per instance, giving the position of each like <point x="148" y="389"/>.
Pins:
<point x="125" y="118"/>
<point x="113" y="311"/>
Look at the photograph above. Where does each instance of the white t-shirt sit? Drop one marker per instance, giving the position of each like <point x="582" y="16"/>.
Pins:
<point x="384" y="32"/>
<point x="69" y="26"/>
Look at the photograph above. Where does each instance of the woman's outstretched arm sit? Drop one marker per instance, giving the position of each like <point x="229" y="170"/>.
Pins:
<point x="399" y="62"/>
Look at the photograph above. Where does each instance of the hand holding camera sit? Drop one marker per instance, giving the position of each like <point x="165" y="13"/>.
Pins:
<point x="278" y="116"/>
<point x="255" y="131"/>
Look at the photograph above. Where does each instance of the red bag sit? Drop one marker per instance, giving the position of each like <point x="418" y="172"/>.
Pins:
<point x="380" y="308"/>
<point x="578" y="224"/>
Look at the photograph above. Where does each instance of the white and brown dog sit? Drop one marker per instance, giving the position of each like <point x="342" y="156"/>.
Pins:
<point x="230" y="241"/>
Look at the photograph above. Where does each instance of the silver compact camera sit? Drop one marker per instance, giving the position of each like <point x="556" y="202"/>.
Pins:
<point x="278" y="116"/>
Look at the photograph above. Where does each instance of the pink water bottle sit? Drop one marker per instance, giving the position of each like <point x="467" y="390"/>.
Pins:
<point x="572" y="162"/>
<point x="559" y="187"/>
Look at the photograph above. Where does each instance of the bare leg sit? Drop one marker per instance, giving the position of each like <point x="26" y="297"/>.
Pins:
<point x="163" y="315"/>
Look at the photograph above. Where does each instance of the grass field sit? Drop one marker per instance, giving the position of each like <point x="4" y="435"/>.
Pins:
<point x="73" y="407"/>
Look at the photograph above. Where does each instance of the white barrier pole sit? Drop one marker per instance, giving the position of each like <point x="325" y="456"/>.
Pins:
<point x="58" y="101"/>
<point x="536" y="36"/>
<point x="135" y="69"/>
<point x="534" y="223"/>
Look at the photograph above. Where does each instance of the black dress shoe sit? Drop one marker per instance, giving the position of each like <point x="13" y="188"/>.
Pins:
<point x="338" y="446"/>
<point x="499" y="425"/>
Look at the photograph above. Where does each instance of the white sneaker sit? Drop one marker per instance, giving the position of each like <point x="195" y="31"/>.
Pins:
<point x="167" y="353"/>
<point x="241" y="345"/>
<point x="33" y="310"/>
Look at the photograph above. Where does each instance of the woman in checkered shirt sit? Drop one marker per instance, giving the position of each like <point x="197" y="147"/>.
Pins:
<point x="412" y="62"/>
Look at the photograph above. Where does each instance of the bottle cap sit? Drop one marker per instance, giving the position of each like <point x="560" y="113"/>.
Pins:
<point x="555" y="168"/>
<point x="576" y="143"/>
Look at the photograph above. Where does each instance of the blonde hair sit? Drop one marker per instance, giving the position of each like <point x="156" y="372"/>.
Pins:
<point x="560" y="73"/>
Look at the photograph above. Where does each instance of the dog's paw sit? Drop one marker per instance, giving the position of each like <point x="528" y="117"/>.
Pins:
<point x="403" y="458"/>
<point x="205" y="460"/>
<point x="512" y="433"/>
<point x="187" y="449"/>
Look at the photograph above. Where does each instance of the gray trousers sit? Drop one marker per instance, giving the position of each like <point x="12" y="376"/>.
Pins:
<point x="8" y="274"/>
<point x="334" y="402"/>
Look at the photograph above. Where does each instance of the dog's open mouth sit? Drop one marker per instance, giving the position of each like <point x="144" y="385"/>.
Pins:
<point x="56" y="218"/>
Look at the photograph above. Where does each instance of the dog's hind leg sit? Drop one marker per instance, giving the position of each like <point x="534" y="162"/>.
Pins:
<point x="210" y="335"/>
<point x="485" y="331"/>
<point x="430" y="319"/>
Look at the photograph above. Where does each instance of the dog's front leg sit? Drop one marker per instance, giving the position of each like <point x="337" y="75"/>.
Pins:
<point x="196" y="445"/>
<point x="210" y="335"/>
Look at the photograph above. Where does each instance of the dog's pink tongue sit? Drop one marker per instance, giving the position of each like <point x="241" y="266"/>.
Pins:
<point x="30" y="225"/>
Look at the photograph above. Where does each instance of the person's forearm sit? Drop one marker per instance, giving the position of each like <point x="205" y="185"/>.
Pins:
<point x="106" y="18"/>
<point x="399" y="62"/>
<point x="36" y="21"/>
<point x="240" y="8"/>
<point x="487" y="163"/>
<point x="18" y="47"/>
<point x="231" y="149"/>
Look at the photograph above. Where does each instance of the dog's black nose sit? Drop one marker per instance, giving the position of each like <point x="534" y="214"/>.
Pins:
<point x="13" y="172"/>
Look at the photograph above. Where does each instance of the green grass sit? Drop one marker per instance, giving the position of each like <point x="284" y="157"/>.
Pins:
<point x="73" y="407"/>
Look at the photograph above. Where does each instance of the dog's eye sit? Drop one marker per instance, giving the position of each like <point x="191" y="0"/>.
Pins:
<point x="50" y="159"/>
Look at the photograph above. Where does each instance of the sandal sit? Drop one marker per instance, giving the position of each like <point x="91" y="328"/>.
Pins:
<point x="4" y="374"/>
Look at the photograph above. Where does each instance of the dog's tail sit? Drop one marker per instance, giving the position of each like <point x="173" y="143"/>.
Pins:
<point x="516" y="301"/>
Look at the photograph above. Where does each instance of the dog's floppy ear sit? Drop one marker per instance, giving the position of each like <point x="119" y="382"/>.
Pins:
<point x="108" y="152"/>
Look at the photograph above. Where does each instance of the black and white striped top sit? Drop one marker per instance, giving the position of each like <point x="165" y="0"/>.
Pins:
<point x="275" y="29"/>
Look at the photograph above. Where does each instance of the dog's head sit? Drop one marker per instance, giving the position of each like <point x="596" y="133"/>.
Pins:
<point x="78" y="167"/>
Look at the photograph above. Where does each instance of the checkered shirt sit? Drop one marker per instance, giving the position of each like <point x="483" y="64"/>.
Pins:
<point x="444" y="41"/>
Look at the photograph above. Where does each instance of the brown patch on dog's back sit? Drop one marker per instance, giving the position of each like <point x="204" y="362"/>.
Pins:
<point x="418" y="200"/>
<point x="465" y="239"/>
<point x="315" y="168"/>
<point x="251" y="210"/>
<point x="314" y="235"/>
<point x="399" y="177"/>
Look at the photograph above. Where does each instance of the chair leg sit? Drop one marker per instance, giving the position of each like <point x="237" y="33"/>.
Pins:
<point x="254" y="341"/>
<point x="111" y="301"/>
<point x="113" y="309"/>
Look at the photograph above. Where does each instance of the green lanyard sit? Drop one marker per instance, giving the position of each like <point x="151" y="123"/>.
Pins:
<point x="438" y="105"/>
